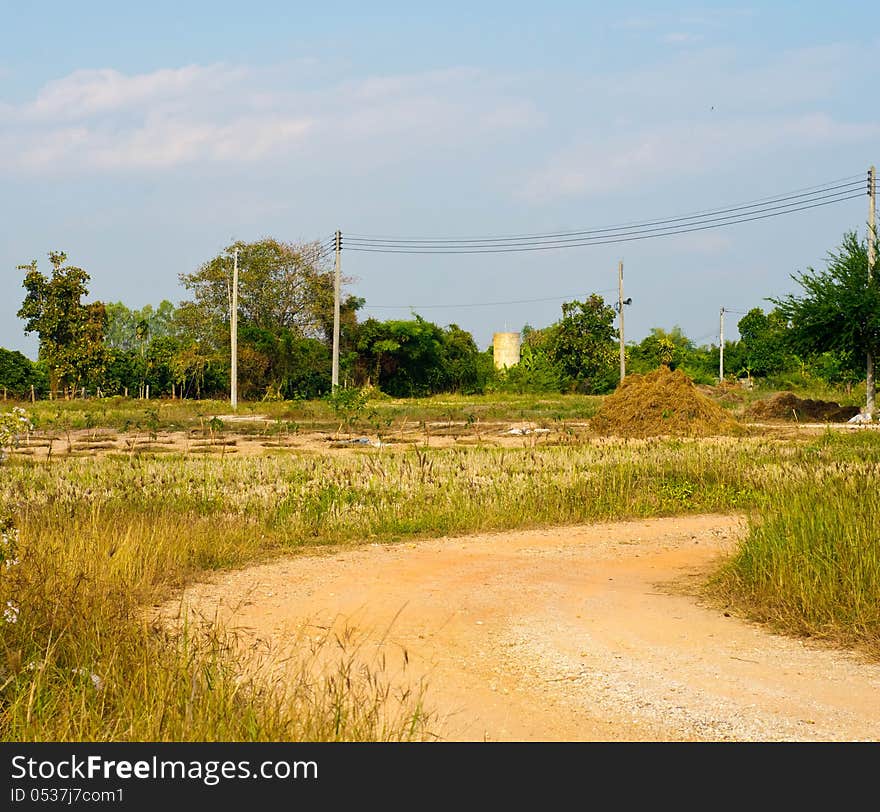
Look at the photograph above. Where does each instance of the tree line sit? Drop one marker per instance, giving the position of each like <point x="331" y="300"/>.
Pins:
<point x="285" y="333"/>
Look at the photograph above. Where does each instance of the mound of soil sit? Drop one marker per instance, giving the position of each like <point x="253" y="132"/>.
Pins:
<point x="662" y="402"/>
<point x="786" y="406"/>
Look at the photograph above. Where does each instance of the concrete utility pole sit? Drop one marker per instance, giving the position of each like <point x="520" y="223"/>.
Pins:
<point x="620" y="311"/>
<point x="334" y="380"/>
<point x="233" y="326"/>
<point x="872" y="236"/>
<point x="721" y="349"/>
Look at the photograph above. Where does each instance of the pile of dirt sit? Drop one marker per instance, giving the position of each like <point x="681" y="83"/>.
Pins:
<point x="662" y="402"/>
<point x="786" y="406"/>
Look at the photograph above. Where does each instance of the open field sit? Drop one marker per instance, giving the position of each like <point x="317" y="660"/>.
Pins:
<point x="119" y="506"/>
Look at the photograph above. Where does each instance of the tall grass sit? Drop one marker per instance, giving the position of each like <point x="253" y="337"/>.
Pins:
<point x="292" y="499"/>
<point x="84" y="662"/>
<point x="810" y="564"/>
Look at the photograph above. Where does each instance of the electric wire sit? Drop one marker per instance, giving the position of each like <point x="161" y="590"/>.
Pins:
<point x="692" y="215"/>
<point x="808" y="197"/>
<point x="482" y="304"/>
<point x="602" y="239"/>
<point x="561" y="236"/>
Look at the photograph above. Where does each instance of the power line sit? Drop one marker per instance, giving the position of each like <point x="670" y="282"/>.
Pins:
<point x="692" y="215"/>
<point x="839" y="189"/>
<point x="480" y="304"/>
<point x="606" y="240"/>
<point x="828" y="193"/>
<point x="825" y="194"/>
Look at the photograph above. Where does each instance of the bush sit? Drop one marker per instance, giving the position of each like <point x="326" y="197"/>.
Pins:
<point x="18" y="373"/>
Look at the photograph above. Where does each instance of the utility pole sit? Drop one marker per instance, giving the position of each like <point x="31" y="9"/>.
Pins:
<point x="233" y="325"/>
<point x="336" y="293"/>
<point x="721" y="349"/>
<point x="872" y="236"/>
<point x="620" y="311"/>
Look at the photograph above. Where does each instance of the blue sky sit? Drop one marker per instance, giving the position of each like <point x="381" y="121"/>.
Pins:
<point x="143" y="138"/>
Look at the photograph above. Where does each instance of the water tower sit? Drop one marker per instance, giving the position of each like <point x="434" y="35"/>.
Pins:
<point x="505" y="349"/>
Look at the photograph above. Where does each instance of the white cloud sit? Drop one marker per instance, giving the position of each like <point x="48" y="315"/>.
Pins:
<point x="159" y="143"/>
<point x="636" y="22"/>
<point x="681" y="38"/>
<point x="87" y="92"/>
<point x="105" y="120"/>
<point x="707" y="19"/>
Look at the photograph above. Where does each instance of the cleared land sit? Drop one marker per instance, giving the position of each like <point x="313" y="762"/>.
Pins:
<point x="588" y="633"/>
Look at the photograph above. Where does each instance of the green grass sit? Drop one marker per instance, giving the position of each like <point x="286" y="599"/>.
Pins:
<point x="810" y="564"/>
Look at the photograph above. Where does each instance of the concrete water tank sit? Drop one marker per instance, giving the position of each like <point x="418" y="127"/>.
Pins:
<point x="505" y="349"/>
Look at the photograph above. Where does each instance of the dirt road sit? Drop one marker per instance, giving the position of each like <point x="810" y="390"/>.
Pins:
<point x="584" y="633"/>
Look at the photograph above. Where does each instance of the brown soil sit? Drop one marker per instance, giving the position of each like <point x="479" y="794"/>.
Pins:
<point x="590" y="633"/>
<point x="787" y="406"/>
<point x="90" y="443"/>
<point x="663" y="402"/>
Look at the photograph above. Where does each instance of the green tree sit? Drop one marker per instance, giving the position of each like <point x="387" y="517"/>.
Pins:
<point x="125" y="370"/>
<point x="671" y="348"/>
<point x="282" y="364"/>
<point x="18" y="373"/>
<point x="126" y="328"/>
<point x="201" y="359"/>
<point x="460" y="361"/>
<point x="406" y="358"/>
<point x="764" y="342"/>
<point x="584" y="344"/>
<point x="839" y="309"/>
<point x="71" y="332"/>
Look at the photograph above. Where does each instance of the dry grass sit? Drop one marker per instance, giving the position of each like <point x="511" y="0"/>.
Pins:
<point x="663" y="402"/>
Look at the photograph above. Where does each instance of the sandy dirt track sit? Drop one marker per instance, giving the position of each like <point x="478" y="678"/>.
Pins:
<point x="588" y="633"/>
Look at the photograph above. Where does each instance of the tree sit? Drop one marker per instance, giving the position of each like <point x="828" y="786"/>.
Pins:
<point x="282" y="364"/>
<point x="764" y="342"/>
<point x="201" y="361"/>
<point x="71" y="332"/>
<point x="584" y="344"/>
<point x="18" y="374"/>
<point x="460" y="360"/>
<point x="415" y="357"/>
<point x="404" y="358"/>
<point x="280" y="286"/>
<point x="672" y="348"/>
<point x="839" y="310"/>
<point x="285" y="297"/>
<point x="127" y="329"/>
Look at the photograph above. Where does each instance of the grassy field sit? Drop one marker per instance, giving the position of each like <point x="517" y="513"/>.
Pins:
<point x="101" y="538"/>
